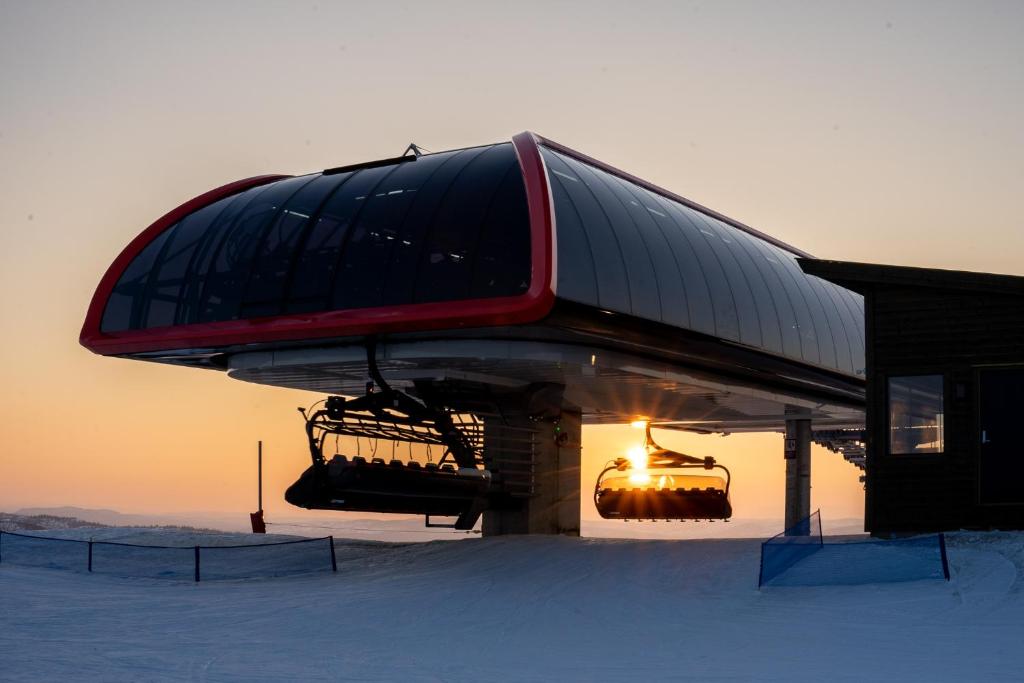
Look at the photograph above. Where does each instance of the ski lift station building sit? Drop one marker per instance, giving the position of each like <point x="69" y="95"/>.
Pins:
<point x="522" y="282"/>
<point x="945" y="387"/>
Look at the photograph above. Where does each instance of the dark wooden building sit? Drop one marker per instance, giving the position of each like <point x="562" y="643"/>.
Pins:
<point x="945" y="396"/>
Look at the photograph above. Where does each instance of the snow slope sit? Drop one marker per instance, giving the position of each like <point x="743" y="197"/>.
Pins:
<point x="521" y="609"/>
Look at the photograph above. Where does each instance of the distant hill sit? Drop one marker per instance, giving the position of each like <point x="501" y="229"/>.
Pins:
<point x="21" y="522"/>
<point x="100" y="516"/>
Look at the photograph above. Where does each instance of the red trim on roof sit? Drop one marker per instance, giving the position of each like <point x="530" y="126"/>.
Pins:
<point x="528" y="307"/>
<point x="580" y="156"/>
<point x="91" y="337"/>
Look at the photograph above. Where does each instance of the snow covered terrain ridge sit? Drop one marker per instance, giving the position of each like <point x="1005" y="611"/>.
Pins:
<point x="521" y="608"/>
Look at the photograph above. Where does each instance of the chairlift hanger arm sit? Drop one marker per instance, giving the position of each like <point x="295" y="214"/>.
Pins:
<point x="663" y="457"/>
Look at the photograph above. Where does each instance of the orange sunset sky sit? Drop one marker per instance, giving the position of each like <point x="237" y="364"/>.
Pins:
<point x="883" y="132"/>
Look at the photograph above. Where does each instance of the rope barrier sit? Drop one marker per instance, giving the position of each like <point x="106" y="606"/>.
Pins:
<point x="166" y="567"/>
<point x="168" y="547"/>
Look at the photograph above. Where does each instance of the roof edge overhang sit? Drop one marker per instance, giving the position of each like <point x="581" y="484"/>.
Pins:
<point x="530" y="306"/>
<point x="865" y="277"/>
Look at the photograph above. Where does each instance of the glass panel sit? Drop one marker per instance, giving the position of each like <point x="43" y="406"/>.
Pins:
<point x="450" y="250"/>
<point x="271" y="268"/>
<point x="199" y="265"/>
<point x="503" y="262"/>
<point x="164" y="288"/>
<point x="374" y="235"/>
<point x="319" y="263"/>
<point x="433" y="183"/>
<point x="229" y="273"/>
<point x="916" y="418"/>
<point x="318" y="259"/>
<point x="121" y="312"/>
<point x="446" y="226"/>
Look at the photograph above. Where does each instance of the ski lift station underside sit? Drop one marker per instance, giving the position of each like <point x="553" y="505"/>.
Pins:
<point x="489" y="301"/>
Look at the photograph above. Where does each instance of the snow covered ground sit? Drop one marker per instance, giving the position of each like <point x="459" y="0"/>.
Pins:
<point x="520" y="609"/>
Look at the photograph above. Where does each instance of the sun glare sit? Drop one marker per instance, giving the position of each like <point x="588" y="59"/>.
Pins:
<point x="637" y="456"/>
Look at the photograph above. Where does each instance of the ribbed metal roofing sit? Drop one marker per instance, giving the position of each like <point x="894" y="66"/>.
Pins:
<point x="628" y="249"/>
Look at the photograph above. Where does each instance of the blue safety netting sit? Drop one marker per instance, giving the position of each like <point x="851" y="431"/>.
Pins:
<point x="800" y="556"/>
<point x="143" y="561"/>
<point x="279" y="559"/>
<point x="191" y="563"/>
<point x="784" y="550"/>
<point x="51" y="553"/>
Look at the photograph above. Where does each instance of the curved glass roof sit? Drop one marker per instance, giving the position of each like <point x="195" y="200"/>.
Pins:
<point x="628" y="249"/>
<point x="455" y="226"/>
<point x="440" y="227"/>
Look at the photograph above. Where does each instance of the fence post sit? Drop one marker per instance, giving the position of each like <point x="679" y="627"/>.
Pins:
<point x="334" y="560"/>
<point x="945" y="560"/>
<point x="760" y="571"/>
<point x="90" y="555"/>
<point x="197" y="564"/>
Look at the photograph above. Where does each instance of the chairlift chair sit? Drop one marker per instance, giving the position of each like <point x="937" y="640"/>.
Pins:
<point x="664" y="489"/>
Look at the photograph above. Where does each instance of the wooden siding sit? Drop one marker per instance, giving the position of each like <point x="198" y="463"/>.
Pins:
<point x="915" y="331"/>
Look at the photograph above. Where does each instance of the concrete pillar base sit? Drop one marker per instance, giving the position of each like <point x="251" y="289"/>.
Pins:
<point x="554" y="507"/>
<point x="798" y="471"/>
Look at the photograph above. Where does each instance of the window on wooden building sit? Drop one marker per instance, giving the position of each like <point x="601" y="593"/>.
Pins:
<point x="916" y="424"/>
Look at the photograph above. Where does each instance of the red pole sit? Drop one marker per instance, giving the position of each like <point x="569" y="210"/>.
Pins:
<point x="259" y="526"/>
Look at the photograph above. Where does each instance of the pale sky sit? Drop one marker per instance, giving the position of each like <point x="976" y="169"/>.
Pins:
<point x="883" y="132"/>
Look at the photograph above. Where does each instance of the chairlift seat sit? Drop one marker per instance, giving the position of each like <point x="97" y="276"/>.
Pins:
<point x="662" y="493"/>
<point x="395" y="489"/>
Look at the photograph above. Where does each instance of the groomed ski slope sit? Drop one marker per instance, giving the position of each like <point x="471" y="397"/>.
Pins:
<point x="521" y="609"/>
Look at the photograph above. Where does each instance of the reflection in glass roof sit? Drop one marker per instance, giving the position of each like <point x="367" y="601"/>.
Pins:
<point x="442" y="227"/>
<point x="628" y="249"/>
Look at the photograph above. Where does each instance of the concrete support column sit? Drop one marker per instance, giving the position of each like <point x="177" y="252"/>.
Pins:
<point x="554" y="505"/>
<point x="798" y="471"/>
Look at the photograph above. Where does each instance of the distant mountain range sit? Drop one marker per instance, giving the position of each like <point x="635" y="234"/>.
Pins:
<point x="18" y="522"/>
<point x="102" y="517"/>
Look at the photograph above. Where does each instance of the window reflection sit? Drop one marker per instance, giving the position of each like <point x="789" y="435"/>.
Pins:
<point x="916" y="418"/>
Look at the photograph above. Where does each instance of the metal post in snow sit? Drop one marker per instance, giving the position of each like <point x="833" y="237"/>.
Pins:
<point x="944" y="557"/>
<point x="90" y="555"/>
<point x="197" y="564"/>
<point x="259" y="477"/>
<point x="334" y="559"/>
